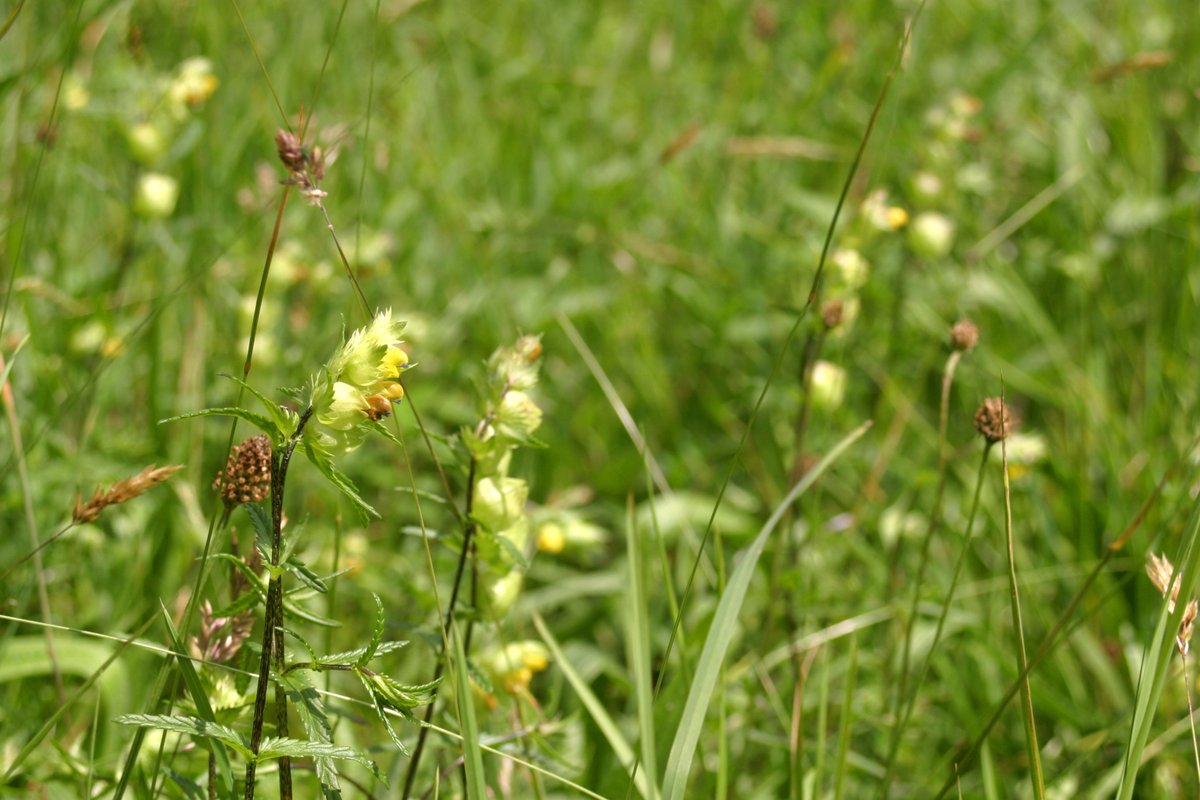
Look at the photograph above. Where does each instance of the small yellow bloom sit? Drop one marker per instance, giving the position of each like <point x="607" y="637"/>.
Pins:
<point x="551" y="538"/>
<point x="896" y="217"/>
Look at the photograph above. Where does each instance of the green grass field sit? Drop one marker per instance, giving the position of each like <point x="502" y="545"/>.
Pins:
<point x="742" y="230"/>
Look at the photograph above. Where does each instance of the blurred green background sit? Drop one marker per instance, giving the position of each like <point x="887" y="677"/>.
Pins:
<point x="662" y="176"/>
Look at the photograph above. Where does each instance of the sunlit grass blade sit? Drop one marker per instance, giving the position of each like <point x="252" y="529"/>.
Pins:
<point x="1157" y="659"/>
<point x="472" y="756"/>
<point x="637" y="648"/>
<point x="724" y="624"/>
<point x="599" y="714"/>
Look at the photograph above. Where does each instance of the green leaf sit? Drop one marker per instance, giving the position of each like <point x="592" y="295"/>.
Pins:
<point x="263" y="528"/>
<point x="277" y="747"/>
<point x="192" y="726"/>
<point x="381" y="711"/>
<point x="311" y="709"/>
<point x="398" y="695"/>
<point x="376" y="635"/>
<point x="720" y="634"/>
<point x="257" y="420"/>
<point x="354" y="656"/>
<point x="1156" y="659"/>
<point x="312" y="654"/>
<point x="325" y="466"/>
<point x="383" y="431"/>
<point x="306" y="576"/>
<point x="285" y="421"/>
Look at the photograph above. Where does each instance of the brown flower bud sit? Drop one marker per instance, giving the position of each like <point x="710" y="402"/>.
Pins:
<point x="964" y="335"/>
<point x="994" y="420"/>
<point x="831" y="313"/>
<point x="247" y="474"/>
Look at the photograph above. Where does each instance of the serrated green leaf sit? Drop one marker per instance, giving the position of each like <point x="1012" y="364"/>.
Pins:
<point x="278" y="747"/>
<point x="398" y="695"/>
<point x="261" y="521"/>
<point x="285" y="421"/>
<point x="306" y="576"/>
<point x="312" y="654"/>
<point x="257" y="420"/>
<point x="296" y="611"/>
<point x="192" y="726"/>
<point x="325" y="466"/>
<point x="311" y="710"/>
<point x="376" y="635"/>
<point x="380" y="710"/>
<point x="354" y="656"/>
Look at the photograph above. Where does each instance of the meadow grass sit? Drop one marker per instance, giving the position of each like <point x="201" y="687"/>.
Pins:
<point x="652" y="188"/>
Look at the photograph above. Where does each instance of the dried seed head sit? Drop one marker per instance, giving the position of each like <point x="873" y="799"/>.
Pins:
<point x="247" y="474"/>
<point x="1184" y="638"/>
<point x="964" y="335"/>
<point x="306" y="168"/>
<point x="121" y="492"/>
<point x="831" y="313"/>
<point x="1160" y="569"/>
<point x="291" y="152"/>
<point x="994" y="420"/>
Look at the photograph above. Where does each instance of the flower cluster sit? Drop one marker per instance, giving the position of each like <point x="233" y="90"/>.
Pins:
<point x="152" y="136"/>
<point x="357" y="386"/>
<point x="510" y="416"/>
<point x="511" y="668"/>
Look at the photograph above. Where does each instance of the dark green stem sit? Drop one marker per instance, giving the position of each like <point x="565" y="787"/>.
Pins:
<point x="272" y="644"/>
<point x="468" y="547"/>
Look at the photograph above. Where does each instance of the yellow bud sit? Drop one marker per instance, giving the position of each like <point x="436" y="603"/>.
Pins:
<point x="896" y="217"/>
<point x="156" y="195"/>
<point x="551" y="538"/>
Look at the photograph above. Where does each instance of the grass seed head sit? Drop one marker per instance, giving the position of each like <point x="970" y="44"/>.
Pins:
<point x="121" y="492"/>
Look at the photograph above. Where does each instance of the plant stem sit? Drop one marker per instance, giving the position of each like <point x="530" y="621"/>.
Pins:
<point x="910" y="702"/>
<point x="272" y="623"/>
<point x="935" y="523"/>
<point x="468" y="547"/>
<point x="1031" y="740"/>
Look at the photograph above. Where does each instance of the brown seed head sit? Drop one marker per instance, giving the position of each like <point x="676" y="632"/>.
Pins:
<point x="1160" y="569"/>
<point x="121" y="492"/>
<point x="831" y="313"/>
<point x="994" y="420"/>
<point x="964" y="335"/>
<point x="291" y="152"/>
<point x="247" y="474"/>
